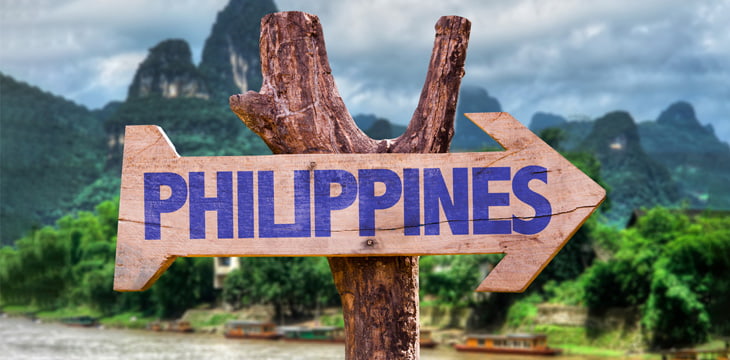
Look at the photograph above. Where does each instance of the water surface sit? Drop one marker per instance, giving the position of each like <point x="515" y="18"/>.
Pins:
<point x="24" y="339"/>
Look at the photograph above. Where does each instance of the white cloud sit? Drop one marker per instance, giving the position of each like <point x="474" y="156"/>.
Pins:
<point x="110" y="77"/>
<point x="86" y="50"/>
<point x="566" y="57"/>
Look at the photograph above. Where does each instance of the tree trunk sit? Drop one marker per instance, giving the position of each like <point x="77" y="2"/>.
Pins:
<point x="299" y="110"/>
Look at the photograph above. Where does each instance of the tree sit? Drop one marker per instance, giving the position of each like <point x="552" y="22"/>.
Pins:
<point x="674" y="267"/>
<point x="294" y="286"/>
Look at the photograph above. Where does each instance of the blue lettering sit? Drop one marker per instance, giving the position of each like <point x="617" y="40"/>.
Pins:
<point x="154" y="205"/>
<point x="324" y="202"/>
<point x="435" y="192"/>
<point x="369" y="202"/>
<point x="483" y="199"/>
<point x="221" y="204"/>
<point x="424" y="194"/>
<point x="302" y="226"/>
<point x="411" y="202"/>
<point x="521" y="189"/>
<point x="245" y="204"/>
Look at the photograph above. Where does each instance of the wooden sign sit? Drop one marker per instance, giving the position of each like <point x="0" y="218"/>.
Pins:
<point x="525" y="202"/>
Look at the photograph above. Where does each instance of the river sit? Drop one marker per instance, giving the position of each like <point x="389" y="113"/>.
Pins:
<point x="23" y="339"/>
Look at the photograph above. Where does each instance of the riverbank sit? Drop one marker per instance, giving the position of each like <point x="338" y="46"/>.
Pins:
<point x="211" y="321"/>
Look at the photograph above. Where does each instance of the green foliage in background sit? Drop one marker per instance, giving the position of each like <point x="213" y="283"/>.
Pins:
<point x="675" y="269"/>
<point x="196" y="127"/>
<point x="451" y="279"/>
<point x="72" y="265"/>
<point x="671" y="265"/>
<point x="49" y="150"/>
<point x="524" y="311"/>
<point x="295" y="286"/>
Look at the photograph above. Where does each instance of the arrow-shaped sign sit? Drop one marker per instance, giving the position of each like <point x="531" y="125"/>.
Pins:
<point x="525" y="202"/>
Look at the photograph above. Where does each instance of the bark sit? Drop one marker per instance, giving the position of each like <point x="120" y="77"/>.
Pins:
<point x="299" y="110"/>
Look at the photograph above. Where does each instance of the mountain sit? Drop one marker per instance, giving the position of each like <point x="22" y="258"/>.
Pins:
<point x="541" y="121"/>
<point x="378" y="128"/>
<point x="231" y="62"/>
<point x="169" y="72"/>
<point x="467" y="135"/>
<point x="50" y="149"/>
<point x="697" y="160"/>
<point x="574" y="131"/>
<point x="635" y="179"/>
<point x="169" y="91"/>
<point x="57" y="157"/>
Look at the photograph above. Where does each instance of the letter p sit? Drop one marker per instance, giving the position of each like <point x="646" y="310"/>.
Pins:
<point x="154" y="205"/>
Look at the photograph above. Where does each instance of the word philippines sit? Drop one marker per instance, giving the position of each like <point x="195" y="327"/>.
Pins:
<point x="524" y="202"/>
<point x="462" y="197"/>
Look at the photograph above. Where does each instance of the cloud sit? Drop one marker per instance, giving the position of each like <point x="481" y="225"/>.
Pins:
<point x="109" y="77"/>
<point x="88" y="50"/>
<point x="566" y="57"/>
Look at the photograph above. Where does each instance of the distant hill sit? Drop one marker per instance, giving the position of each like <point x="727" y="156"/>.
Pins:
<point x="467" y="135"/>
<point x="231" y="62"/>
<point x="57" y="156"/>
<point x="635" y="179"/>
<point x="378" y="128"/>
<point x="698" y="161"/>
<point x="575" y="131"/>
<point x="168" y="71"/>
<point x="169" y="91"/>
<point x="50" y="149"/>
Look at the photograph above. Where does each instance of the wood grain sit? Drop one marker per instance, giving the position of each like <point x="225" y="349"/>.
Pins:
<point x="304" y="113"/>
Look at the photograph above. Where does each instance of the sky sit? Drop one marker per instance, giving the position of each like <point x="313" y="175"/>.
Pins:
<point x="580" y="59"/>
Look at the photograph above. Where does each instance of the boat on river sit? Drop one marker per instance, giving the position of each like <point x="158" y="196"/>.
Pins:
<point x="425" y="340"/>
<point x="524" y="344"/>
<point x="695" y="354"/>
<point x="314" y="334"/>
<point x="80" y="321"/>
<point x="181" y="326"/>
<point x="245" y="329"/>
<point x="155" y="326"/>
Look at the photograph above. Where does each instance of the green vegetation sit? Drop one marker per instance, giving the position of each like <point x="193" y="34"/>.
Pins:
<point x="43" y="163"/>
<point x="570" y="349"/>
<point x="675" y="269"/>
<point x="66" y="312"/>
<point x="692" y="154"/>
<point x="523" y="312"/>
<point x="69" y="269"/>
<point x="128" y="320"/>
<point x="577" y="339"/>
<point x="670" y="268"/>
<point x="332" y="320"/>
<point x="60" y="157"/>
<point x="636" y="179"/>
<point x="196" y="127"/>
<point x="451" y="279"/>
<point x="669" y="265"/>
<point x="294" y="286"/>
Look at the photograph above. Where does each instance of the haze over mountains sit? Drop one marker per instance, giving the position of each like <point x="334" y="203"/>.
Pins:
<point x="57" y="157"/>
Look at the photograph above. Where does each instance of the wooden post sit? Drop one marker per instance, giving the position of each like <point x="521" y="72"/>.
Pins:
<point x="299" y="110"/>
